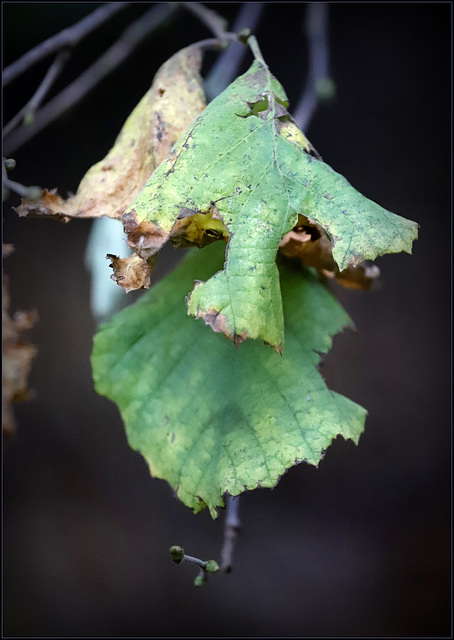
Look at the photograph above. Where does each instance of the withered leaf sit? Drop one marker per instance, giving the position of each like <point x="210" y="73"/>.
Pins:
<point x="131" y="273"/>
<point x="174" y="100"/>
<point x="308" y="242"/>
<point x="17" y="356"/>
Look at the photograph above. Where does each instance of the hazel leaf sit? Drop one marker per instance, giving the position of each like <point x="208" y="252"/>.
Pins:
<point x="244" y="163"/>
<point x="211" y="419"/>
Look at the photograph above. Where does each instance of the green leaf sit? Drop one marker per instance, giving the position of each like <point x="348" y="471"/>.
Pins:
<point x="207" y="417"/>
<point x="244" y="163"/>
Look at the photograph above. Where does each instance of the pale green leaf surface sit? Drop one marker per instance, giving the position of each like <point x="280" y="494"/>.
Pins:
<point x="207" y="417"/>
<point x="238" y="155"/>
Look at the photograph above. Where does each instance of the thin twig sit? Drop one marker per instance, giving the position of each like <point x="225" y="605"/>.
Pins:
<point x="31" y="193"/>
<point x="110" y="60"/>
<point x="226" y="67"/>
<point x="67" y="38"/>
<point x="232" y="526"/>
<point x="39" y="95"/>
<point x="319" y="85"/>
<point x="206" y="566"/>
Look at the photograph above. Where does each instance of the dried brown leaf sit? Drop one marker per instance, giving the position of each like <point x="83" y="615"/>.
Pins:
<point x="174" y="100"/>
<point x="17" y="356"/>
<point x="131" y="273"/>
<point x="308" y="242"/>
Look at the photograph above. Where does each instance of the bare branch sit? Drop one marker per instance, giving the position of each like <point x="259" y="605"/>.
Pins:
<point x="110" y="60"/>
<point x="39" y="95"/>
<point x="66" y="38"/>
<point x="319" y="85"/>
<point x="226" y="68"/>
<point x="231" y="528"/>
<point x="31" y="193"/>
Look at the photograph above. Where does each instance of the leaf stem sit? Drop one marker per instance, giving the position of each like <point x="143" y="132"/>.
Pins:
<point x="254" y="45"/>
<point x="213" y="43"/>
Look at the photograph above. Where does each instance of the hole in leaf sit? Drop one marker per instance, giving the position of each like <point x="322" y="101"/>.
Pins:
<point x="213" y="233"/>
<point x="259" y="106"/>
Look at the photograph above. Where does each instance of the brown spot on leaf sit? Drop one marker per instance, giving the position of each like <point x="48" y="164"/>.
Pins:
<point x="218" y="322"/>
<point x="278" y="348"/>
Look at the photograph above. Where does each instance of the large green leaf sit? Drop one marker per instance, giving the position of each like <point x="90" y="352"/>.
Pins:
<point x="243" y="163"/>
<point x="207" y="417"/>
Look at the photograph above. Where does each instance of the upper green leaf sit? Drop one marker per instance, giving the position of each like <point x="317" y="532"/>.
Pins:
<point x="211" y="419"/>
<point x="243" y="162"/>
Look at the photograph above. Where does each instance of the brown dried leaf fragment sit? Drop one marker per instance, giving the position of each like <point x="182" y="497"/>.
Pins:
<point x="174" y="100"/>
<point x="50" y="205"/>
<point x="363" y="276"/>
<point x="17" y="356"/>
<point x="131" y="273"/>
<point x="145" y="238"/>
<point x="308" y="242"/>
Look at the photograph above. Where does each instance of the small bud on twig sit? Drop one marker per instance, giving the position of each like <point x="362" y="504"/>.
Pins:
<point x="177" y="554"/>
<point x="9" y="163"/>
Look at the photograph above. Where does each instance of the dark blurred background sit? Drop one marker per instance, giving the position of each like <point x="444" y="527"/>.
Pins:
<point x="360" y="546"/>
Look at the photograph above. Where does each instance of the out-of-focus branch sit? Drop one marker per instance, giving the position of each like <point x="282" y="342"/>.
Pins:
<point x="319" y="86"/>
<point x="31" y="193"/>
<point x="110" y="60"/>
<point x="67" y="38"/>
<point x="28" y="110"/>
<point x="226" y="68"/>
<point x="232" y="526"/>
<point x="214" y="22"/>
